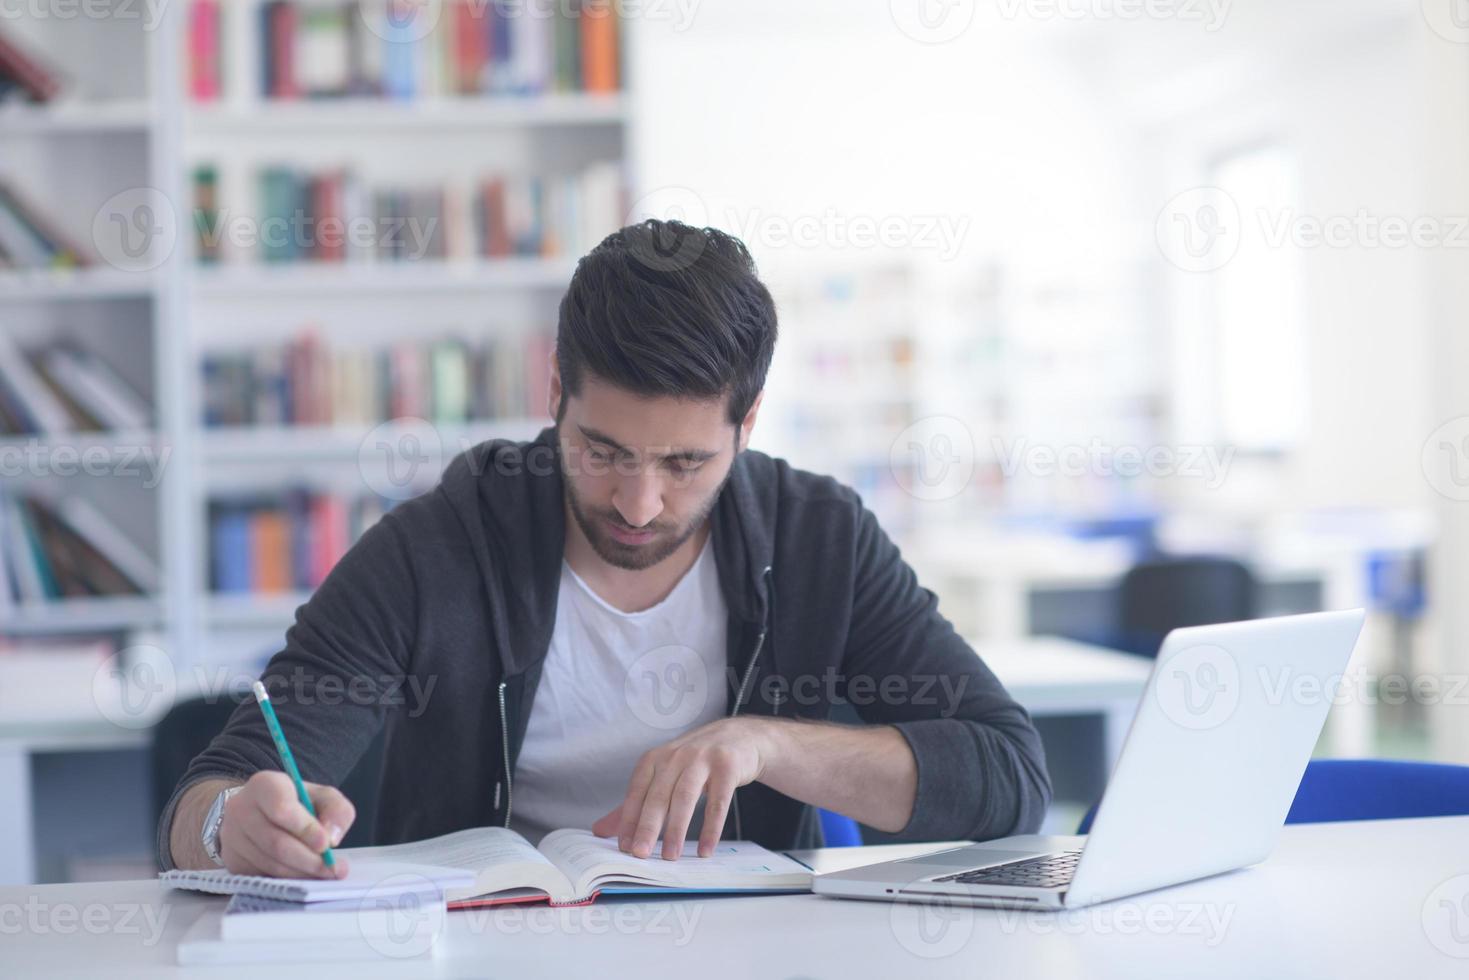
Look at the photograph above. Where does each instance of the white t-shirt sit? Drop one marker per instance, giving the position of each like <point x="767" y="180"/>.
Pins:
<point x="613" y="686"/>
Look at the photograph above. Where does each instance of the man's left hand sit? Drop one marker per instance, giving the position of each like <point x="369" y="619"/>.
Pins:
<point x="709" y="762"/>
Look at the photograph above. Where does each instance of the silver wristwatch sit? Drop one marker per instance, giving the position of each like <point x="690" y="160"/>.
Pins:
<point x="213" y="821"/>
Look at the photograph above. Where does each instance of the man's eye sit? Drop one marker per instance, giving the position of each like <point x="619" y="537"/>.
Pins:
<point x="599" y="455"/>
<point x="683" y="468"/>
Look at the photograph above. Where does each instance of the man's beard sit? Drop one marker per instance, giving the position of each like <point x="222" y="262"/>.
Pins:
<point x="634" y="557"/>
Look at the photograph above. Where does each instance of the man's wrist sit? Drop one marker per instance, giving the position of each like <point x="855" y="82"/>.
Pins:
<point x="186" y="823"/>
<point x="214" y="824"/>
<point x="773" y="739"/>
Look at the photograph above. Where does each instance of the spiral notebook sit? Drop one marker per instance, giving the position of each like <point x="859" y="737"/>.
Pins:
<point x="366" y="878"/>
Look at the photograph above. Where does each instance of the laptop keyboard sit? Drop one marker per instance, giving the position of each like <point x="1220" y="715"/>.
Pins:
<point x="1046" y="871"/>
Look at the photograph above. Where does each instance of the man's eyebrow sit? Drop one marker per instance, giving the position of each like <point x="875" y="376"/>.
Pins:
<point x="684" y="455"/>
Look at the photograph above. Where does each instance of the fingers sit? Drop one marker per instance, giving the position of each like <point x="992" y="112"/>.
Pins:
<point x="333" y="811"/>
<point x="266" y="829"/>
<point x="607" y="824"/>
<point x="281" y="854"/>
<point x="655" y="809"/>
<point x="720" y="791"/>
<point x="686" y="793"/>
<point x="632" y="804"/>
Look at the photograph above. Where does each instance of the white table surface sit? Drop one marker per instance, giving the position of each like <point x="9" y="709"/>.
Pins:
<point x="1369" y="899"/>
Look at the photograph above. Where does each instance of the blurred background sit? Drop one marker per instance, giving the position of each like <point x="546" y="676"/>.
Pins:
<point x="1121" y="315"/>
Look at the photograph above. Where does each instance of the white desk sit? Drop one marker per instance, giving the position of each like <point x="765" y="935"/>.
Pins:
<point x="1338" y="900"/>
<point x="1050" y="675"/>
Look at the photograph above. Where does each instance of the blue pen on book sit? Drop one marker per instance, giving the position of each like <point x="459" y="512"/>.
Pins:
<point x="262" y="698"/>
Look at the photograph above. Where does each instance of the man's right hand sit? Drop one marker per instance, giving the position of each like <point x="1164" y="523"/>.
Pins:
<point x="265" y="829"/>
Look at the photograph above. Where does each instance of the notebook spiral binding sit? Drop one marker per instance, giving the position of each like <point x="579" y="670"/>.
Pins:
<point x="254" y="885"/>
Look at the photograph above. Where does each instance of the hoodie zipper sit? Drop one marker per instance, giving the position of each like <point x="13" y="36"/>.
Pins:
<point x="744" y="684"/>
<point x="505" y="745"/>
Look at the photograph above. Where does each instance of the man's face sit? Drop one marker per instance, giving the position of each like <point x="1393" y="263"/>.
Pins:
<point x="642" y="474"/>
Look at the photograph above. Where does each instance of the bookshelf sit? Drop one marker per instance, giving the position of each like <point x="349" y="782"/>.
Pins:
<point x="131" y="117"/>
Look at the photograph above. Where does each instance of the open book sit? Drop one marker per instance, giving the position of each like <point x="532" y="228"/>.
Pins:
<point x="572" y="866"/>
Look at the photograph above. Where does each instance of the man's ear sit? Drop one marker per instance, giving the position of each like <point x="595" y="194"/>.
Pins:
<point x="749" y="422"/>
<point x="553" y="391"/>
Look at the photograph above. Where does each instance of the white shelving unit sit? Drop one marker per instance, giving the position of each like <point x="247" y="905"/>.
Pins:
<point x="451" y="140"/>
<point x="126" y="122"/>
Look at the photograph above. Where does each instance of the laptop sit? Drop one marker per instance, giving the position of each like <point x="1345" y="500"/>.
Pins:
<point x="1205" y="778"/>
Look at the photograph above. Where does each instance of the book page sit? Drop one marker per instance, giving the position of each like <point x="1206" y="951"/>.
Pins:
<point x="500" y="859"/>
<point x="590" y="861"/>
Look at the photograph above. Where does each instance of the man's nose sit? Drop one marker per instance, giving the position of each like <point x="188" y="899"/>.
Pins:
<point x="639" y="499"/>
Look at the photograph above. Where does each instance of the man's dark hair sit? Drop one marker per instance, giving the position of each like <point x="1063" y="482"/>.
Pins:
<point x="662" y="308"/>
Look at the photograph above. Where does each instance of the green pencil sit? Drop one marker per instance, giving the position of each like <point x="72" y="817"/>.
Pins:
<point x="262" y="698"/>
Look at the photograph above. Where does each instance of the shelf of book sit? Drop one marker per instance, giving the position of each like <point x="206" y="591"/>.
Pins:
<point x="80" y="117"/>
<point x="272" y="444"/>
<point x="86" y="283"/>
<point x="375" y="118"/>
<point x="286" y="279"/>
<point x="85" y="615"/>
<point x="254" y="610"/>
<point x="550" y="95"/>
<point x="104" y="446"/>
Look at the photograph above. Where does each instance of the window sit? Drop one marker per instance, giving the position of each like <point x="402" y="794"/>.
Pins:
<point x="1257" y="308"/>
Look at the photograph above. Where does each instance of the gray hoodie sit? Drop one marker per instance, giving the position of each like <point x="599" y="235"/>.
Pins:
<point x="436" y="624"/>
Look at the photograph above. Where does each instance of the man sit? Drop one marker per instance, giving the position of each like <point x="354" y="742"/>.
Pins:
<point x="632" y="624"/>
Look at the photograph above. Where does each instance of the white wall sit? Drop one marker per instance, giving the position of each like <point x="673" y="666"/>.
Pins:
<point x="1355" y="116"/>
<point x="766" y="113"/>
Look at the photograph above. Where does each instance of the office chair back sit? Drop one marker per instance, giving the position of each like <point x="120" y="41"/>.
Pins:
<point x="1334" y="790"/>
<point x="1164" y="594"/>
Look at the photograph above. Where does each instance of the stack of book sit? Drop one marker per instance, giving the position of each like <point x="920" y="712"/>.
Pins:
<point x="405" y="49"/>
<point x="284" y="543"/>
<point x="63" y="388"/>
<point x="380" y="911"/>
<point x="29" y="241"/>
<point x="334" y="216"/>
<point x="305" y="383"/>
<point x="23" y="76"/>
<point x="66" y="548"/>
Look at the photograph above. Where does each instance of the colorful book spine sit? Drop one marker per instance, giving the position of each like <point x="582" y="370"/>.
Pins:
<point x="203" y="41"/>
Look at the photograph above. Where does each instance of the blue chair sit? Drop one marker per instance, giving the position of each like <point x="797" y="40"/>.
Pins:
<point x="1370" y="789"/>
<point x="839" y="831"/>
